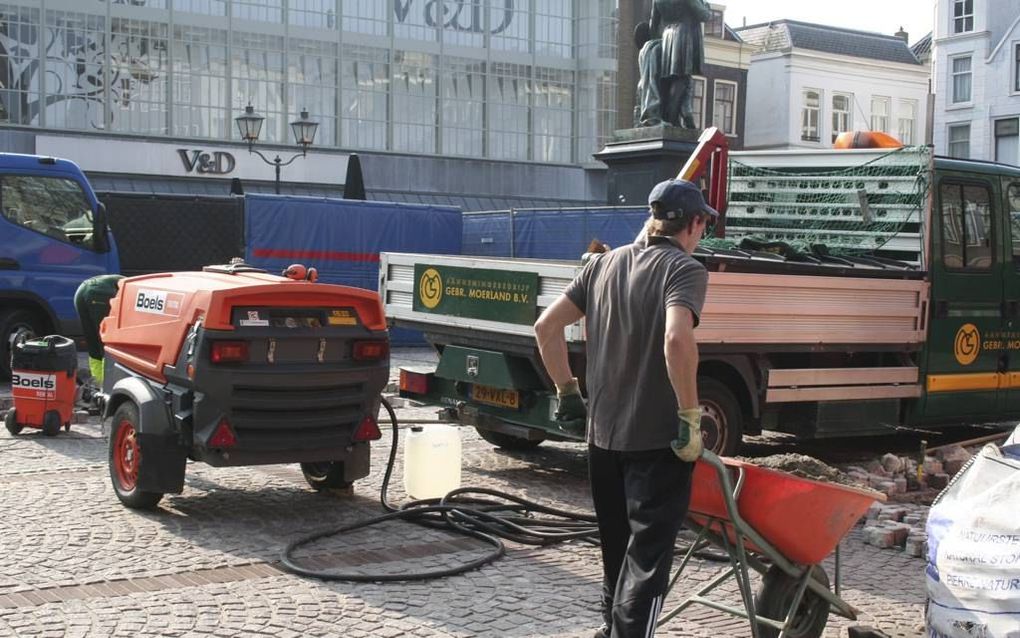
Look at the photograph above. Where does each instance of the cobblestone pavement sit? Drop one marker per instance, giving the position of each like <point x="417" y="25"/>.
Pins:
<point x="74" y="562"/>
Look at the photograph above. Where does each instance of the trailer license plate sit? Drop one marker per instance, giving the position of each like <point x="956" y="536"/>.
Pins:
<point x="496" y="396"/>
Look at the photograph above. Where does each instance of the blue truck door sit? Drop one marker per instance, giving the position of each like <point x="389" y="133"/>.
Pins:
<point x="48" y="248"/>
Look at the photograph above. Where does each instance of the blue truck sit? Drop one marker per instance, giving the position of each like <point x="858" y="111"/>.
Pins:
<point x="55" y="233"/>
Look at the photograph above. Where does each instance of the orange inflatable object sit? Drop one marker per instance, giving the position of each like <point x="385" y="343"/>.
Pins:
<point x="151" y="315"/>
<point x="803" y="519"/>
<point x="866" y="139"/>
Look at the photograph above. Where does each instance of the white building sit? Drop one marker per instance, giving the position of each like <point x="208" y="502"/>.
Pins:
<point x="810" y="82"/>
<point x="977" y="79"/>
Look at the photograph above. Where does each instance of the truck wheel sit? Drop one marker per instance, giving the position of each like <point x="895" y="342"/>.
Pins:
<point x="13" y="322"/>
<point x="51" y="423"/>
<point x="325" y="475"/>
<point x="11" y="422"/>
<point x="126" y="459"/>
<point x="721" y="424"/>
<point x="508" y="441"/>
<point x="773" y="601"/>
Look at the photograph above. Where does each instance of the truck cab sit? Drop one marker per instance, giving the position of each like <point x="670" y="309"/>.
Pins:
<point x="53" y="236"/>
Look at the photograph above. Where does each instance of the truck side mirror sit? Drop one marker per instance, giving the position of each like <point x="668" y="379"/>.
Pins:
<point x="100" y="243"/>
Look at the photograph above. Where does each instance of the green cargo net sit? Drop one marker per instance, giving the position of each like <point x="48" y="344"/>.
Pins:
<point x="868" y="208"/>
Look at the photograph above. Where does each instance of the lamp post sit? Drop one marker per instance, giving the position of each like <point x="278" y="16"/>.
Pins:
<point x="250" y="125"/>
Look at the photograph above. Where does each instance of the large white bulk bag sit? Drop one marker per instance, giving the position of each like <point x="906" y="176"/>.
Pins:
<point x="973" y="573"/>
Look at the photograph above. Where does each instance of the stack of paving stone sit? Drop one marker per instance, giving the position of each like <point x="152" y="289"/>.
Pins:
<point x="897" y="527"/>
<point x="894" y="475"/>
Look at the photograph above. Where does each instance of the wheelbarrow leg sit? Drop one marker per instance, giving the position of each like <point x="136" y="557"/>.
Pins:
<point x="741" y="572"/>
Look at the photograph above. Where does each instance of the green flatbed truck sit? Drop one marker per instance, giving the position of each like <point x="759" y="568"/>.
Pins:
<point x="913" y="320"/>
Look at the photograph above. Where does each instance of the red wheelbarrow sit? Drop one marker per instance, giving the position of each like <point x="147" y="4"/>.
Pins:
<point x="780" y="525"/>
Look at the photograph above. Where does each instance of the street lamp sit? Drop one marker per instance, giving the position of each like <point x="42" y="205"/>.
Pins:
<point x="250" y="125"/>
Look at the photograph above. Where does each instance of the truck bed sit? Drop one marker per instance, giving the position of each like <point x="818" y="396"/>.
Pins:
<point x="752" y="300"/>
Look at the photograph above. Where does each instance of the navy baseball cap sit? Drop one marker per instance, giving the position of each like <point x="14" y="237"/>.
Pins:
<point x="678" y="196"/>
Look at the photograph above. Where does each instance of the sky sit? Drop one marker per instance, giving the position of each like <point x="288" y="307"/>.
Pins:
<point x="883" y="16"/>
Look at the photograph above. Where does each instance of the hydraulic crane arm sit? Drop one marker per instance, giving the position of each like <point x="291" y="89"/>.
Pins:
<point x="712" y="154"/>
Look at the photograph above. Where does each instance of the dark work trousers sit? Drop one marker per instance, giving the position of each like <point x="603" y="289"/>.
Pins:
<point x="641" y="500"/>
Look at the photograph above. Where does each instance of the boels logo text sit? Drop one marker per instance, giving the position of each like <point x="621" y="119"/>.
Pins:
<point x="218" y="163"/>
<point x="159" y="302"/>
<point x="33" y="385"/>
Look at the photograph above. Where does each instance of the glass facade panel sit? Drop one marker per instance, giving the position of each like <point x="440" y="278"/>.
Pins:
<point x="259" y="10"/>
<point x="139" y="66"/>
<point x="312" y="85"/>
<point x="462" y="86"/>
<point x="200" y="97"/>
<point x="509" y="25"/>
<point x="554" y="28"/>
<point x="75" y="50"/>
<point x="366" y="83"/>
<point x="414" y="102"/>
<point x="257" y="70"/>
<point x="464" y="23"/>
<point x="553" y="114"/>
<point x="318" y="14"/>
<point x="509" y="95"/>
<point x="202" y="7"/>
<point x="365" y="16"/>
<point x="149" y="4"/>
<point x="187" y="68"/>
<point x="20" y="82"/>
<point x="416" y="20"/>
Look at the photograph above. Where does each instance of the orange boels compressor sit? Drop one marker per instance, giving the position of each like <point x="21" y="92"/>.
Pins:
<point x="43" y="382"/>
<point x="234" y="366"/>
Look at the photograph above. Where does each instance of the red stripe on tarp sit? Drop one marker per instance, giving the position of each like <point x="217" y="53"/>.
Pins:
<point x="328" y="255"/>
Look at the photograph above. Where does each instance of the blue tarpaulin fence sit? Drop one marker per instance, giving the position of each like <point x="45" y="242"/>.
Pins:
<point x="343" y="238"/>
<point x="562" y="233"/>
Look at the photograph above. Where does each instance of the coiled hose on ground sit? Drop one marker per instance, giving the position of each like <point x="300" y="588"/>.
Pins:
<point x="489" y="515"/>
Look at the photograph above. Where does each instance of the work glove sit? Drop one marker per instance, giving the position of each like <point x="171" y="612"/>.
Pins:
<point x="571" y="404"/>
<point x="688" y="445"/>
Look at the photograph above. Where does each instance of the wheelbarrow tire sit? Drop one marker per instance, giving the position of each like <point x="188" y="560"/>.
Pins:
<point x="325" y="476"/>
<point x="773" y="601"/>
<point x="721" y="417"/>
<point x="508" y="441"/>
<point x="11" y="422"/>
<point x="51" y="423"/>
<point x="125" y="460"/>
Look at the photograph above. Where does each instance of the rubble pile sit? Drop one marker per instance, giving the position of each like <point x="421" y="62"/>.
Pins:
<point x="902" y="525"/>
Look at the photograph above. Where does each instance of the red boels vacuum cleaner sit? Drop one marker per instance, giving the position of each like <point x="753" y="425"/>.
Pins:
<point x="43" y="383"/>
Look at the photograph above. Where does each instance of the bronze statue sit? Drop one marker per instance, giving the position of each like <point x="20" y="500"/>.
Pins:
<point x="675" y="34"/>
<point x="650" y="65"/>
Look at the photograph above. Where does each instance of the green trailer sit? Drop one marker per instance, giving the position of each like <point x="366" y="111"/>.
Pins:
<point x="860" y="292"/>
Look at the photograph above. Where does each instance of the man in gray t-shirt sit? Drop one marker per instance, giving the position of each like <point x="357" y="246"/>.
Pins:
<point x="640" y="303"/>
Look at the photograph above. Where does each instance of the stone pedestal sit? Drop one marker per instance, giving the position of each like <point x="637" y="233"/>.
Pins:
<point x="640" y="158"/>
